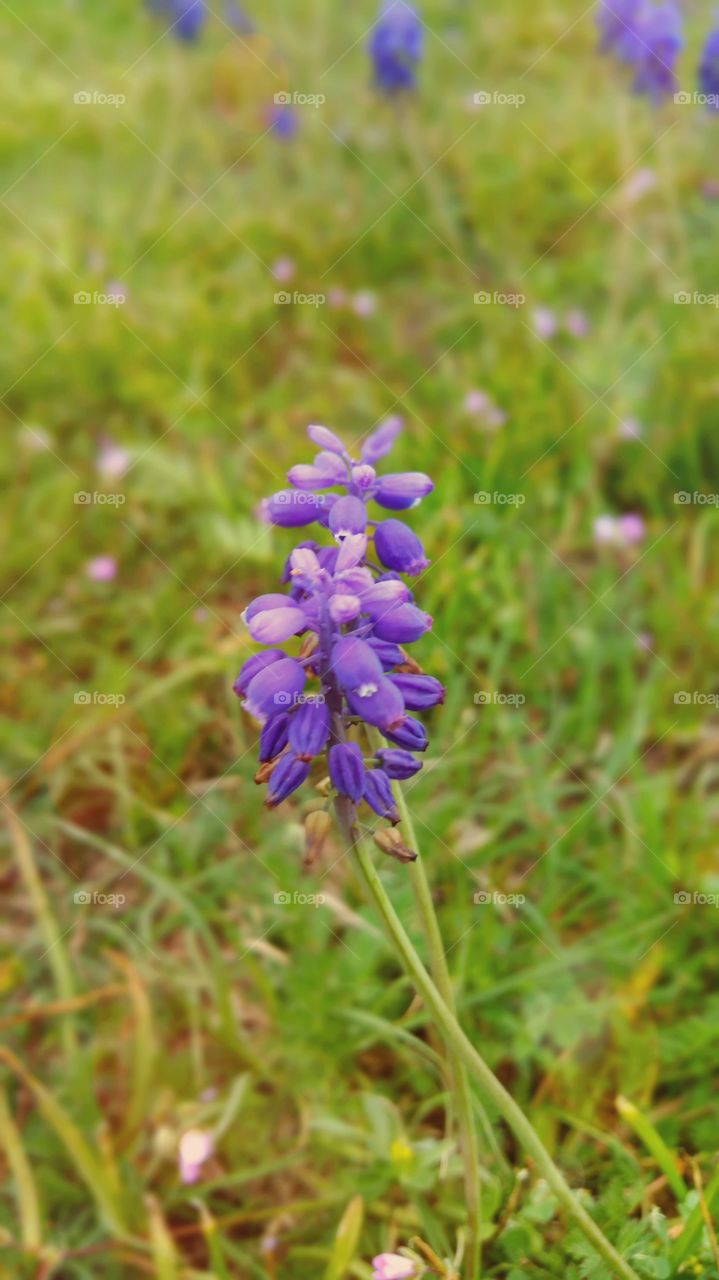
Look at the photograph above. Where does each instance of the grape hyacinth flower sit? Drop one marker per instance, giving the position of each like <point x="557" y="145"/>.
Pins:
<point x="396" y="46"/>
<point x="187" y="16"/>
<point x="348" y="611"/>
<point x="661" y="42"/>
<point x="709" y="71"/>
<point x="619" y="23"/>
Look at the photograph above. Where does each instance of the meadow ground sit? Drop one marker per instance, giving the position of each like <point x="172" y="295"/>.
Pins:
<point x="184" y="994"/>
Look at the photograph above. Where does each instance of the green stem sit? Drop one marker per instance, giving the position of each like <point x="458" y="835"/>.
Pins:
<point x="457" y="1072"/>
<point x="464" y="1052"/>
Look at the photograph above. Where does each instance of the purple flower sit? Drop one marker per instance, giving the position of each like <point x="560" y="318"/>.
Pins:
<point x="398" y="547"/>
<point x="398" y="763"/>
<point x="310" y="729"/>
<point x="288" y="774"/>
<point x="411" y="734"/>
<point x="418" y="692"/>
<point x="291" y="510"/>
<point x="253" y="666"/>
<point x="661" y="41"/>
<point x="379" y="794"/>
<point x="347" y="770"/>
<point x="619" y="22"/>
<point x="709" y="71"/>
<point x="398" y="493"/>
<point x="352" y="614"/>
<point x="284" y="121"/>
<point x="275" y="735"/>
<point x="187" y="16"/>
<point x="396" y="46"/>
<point x="274" y="688"/>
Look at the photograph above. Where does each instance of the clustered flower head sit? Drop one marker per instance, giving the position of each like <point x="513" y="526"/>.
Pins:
<point x="396" y="46"/>
<point x="646" y="36"/>
<point x="348" y="604"/>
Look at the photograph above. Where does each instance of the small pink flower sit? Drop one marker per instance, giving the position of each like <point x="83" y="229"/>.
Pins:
<point x="117" y="290"/>
<point x="392" y="1266"/>
<point x="196" y="1147"/>
<point x="283" y="270"/>
<point x="605" y="529"/>
<point x="102" y="569"/>
<point x="364" y="304"/>
<point x="577" y="323"/>
<point x="630" y="429"/>
<point x="112" y="460"/>
<point x="631" y="529"/>
<point x="642" y="181"/>
<point x="545" y="323"/>
<point x="477" y="401"/>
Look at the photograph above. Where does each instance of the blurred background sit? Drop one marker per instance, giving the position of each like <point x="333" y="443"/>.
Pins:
<point x="200" y="1078"/>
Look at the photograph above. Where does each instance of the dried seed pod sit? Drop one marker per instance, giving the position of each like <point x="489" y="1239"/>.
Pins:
<point x="389" y="840"/>
<point x="318" y="828"/>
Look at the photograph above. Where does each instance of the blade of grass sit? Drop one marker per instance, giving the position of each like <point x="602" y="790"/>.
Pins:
<point x="21" y="1169"/>
<point x="88" y="1168"/>
<point x="654" y="1143"/>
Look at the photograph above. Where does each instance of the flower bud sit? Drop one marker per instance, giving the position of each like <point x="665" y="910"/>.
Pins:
<point x="398" y="547"/>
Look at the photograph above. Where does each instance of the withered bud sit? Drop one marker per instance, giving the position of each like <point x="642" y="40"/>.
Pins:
<point x="409" y="666"/>
<point x="264" y="773"/>
<point x="318" y="826"/>
<point x="308" y="646"/>
<point x="389" y="840"/>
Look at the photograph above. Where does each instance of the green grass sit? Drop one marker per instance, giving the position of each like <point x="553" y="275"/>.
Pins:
<point x="199" y="1001"/>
